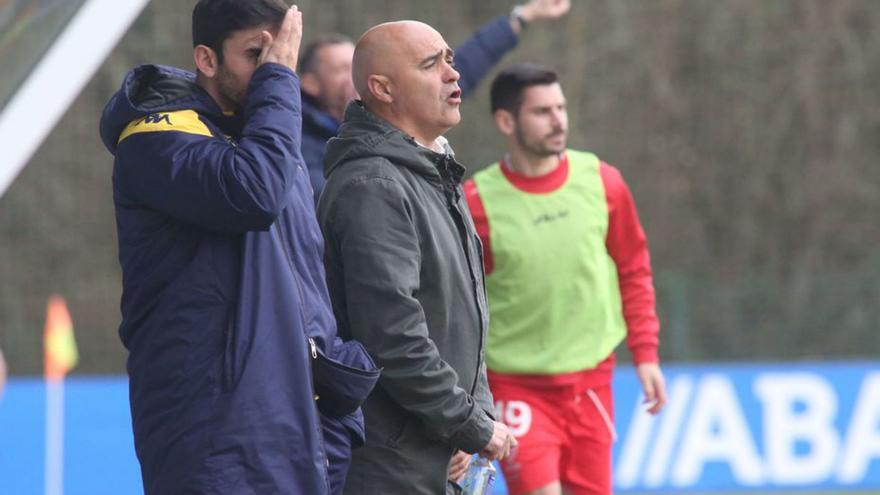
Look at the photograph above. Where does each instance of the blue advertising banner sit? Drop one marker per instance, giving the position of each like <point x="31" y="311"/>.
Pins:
<point x="727" y="428"/>
<point x="779" y="427"/>
<point x="99" y="453"/>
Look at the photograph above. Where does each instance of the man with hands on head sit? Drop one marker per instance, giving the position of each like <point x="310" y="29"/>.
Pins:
<point x="404" y="267"/>
<point x="221" y="261"/>
<point x="325" y="69"/>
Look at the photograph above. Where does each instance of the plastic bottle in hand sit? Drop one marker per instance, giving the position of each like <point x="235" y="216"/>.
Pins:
<point x="479" y="477"/>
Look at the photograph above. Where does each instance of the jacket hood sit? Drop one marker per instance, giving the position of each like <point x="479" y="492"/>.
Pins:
<point x="149" y="89"/>
<point x="364" y="134"/>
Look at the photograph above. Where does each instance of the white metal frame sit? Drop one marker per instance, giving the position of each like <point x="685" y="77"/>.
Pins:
<point x="58" y="78"/>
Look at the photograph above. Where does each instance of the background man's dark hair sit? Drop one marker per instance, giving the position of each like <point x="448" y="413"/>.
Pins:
<point x="509" y="84"/>
<point x="308" y="60"/>
<point x="215" y="20"/>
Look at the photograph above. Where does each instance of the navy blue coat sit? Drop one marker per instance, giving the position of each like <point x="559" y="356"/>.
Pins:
<point x="318" y="128"/>
<point x="223" y="280"/>
<point x="473" y="60"/>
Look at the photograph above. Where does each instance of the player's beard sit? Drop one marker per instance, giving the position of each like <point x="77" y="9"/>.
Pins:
<point x="543" y="146"/>
<point x="231" y="88"/>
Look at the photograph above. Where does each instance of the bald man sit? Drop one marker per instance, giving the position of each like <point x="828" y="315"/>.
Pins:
<point x="327" y="88"/>
<point x="404" y="267"/>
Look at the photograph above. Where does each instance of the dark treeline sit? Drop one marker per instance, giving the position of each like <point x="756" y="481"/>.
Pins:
<point x="747" y="130"/>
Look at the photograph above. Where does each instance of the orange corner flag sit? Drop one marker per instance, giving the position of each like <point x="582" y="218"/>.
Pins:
<point x="59" y="346"/>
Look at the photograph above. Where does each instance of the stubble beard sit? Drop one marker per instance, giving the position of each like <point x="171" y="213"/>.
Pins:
<point x="227" y="87"/>
<point x="539" y="147"/>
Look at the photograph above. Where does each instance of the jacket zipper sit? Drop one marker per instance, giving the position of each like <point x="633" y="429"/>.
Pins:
<point x="312" y="346"/>
<point x="452" y="198"/>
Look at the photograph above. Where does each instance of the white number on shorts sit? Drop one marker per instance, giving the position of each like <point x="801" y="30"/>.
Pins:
<point x="516" y="414"/>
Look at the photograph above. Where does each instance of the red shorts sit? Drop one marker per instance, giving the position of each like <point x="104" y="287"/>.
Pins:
<point x="565" y="432"/>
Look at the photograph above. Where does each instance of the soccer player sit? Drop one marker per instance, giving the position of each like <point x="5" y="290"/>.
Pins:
<point x="568" y="278"/>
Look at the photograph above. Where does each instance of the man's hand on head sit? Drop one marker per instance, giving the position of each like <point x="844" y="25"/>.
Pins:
<point x="284" y="47"/>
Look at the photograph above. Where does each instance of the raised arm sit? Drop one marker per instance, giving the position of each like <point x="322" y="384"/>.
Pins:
<point x="478" y="54"/>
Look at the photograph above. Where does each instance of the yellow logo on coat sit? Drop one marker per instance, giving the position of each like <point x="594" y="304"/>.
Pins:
<point x="186" y="121"/>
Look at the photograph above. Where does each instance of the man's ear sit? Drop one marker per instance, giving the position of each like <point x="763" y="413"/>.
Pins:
<point x="206" y="60"/>
<point x="310" y="85"/>
<point x="380" y="88"/>
<point x="505" y="122"/>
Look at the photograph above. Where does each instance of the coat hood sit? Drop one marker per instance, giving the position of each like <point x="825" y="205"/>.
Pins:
<point x="365" y="135"/>
<point x="149" y="89"/>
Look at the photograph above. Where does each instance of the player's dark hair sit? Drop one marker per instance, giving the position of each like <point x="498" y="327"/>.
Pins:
<point x="213" y="21"/>
<point x="508" y="86"/>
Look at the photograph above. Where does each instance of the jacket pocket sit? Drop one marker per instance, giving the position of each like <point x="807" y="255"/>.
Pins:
<point x="343" y="377"/>
<point x="398" y="431"/>
<point x="386" y="422"/>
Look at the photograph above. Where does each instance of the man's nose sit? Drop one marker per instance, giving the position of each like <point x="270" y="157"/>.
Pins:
<point x="451" y="75"/>
<point x="558" y="118"/>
